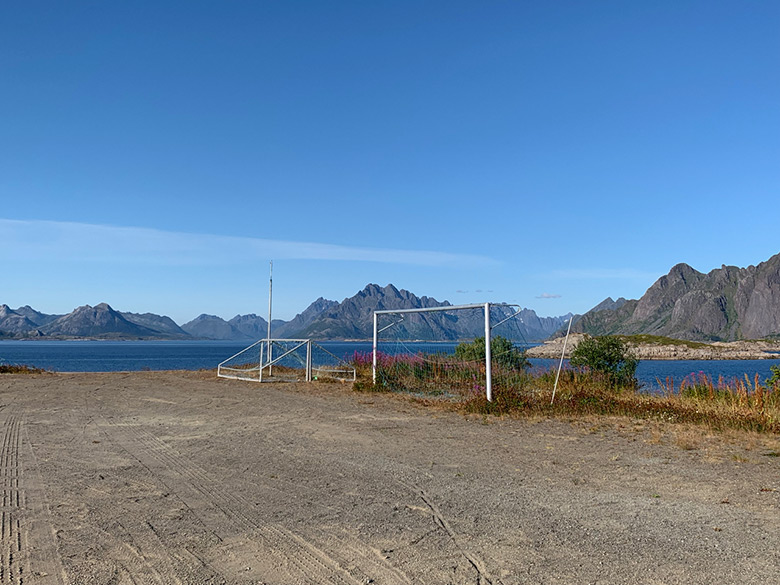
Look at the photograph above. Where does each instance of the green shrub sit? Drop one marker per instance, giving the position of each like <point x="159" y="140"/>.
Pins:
<point x="774" y="380"/>
<point x="608" y="356"/>
<point x="503" y="352"/>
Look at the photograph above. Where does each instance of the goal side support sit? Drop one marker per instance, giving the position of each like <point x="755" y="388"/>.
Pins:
<point x="488" y="357"/>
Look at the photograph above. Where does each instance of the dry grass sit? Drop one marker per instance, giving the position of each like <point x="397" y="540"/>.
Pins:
<point x="13" y="369"/>
<point x="745" y="405"/>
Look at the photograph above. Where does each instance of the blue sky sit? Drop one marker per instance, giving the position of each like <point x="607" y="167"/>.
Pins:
<point x="156" y="155"/>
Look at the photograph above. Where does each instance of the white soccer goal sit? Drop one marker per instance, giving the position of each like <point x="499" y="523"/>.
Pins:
<point x="407" y="353"/>
<point x="270" y="360"/>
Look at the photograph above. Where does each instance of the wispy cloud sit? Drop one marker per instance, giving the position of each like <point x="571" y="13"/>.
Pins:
<point x="604" y="274"/>
<point x="81" y="242"/>
<point x="548" y="296"/>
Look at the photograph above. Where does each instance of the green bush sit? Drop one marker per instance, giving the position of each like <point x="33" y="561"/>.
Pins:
<point x="502" y="351"/>
<point x="609" y="357"/>
<point x="774" y="380"/>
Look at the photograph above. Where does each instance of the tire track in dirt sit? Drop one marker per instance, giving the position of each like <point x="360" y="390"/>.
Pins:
<point x="137" y="564"/>
<point x="28" y="553"/>
<point x="138" y="552"/>
<point x="44" y="558"/>
<point x="273" y="547"/>
<point x="441" y="521"/>
<point x="12" y="536"/>
<point x="478" y="565"/>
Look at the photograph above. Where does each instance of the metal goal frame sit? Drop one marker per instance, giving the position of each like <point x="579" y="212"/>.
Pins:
<point x="488" y="328"/>
<point x="255" y="373"/>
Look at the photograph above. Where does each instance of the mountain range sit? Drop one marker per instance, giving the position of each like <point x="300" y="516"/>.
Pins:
<point x="323" y="319"/>
<point x="726" y="304"/>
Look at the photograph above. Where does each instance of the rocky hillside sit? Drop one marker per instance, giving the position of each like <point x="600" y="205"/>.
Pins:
<point x="164" y="326"/>
<point x="726" y="304"/>
<point x="291" y="329"/>
<point x="353" y="319"/>
<point x="100" y="321"/>
<point x="212" y="327"/>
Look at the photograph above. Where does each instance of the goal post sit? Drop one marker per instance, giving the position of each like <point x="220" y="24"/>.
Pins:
<point x="286" y="360"/>
<point x="485" y="307"/>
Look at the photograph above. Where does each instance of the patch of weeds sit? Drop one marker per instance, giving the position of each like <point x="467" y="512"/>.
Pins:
<point x="745" y="404"/>
<point x="11" y="369"/>
<point x="687" y="440"/>
<point x="369" y="386"/>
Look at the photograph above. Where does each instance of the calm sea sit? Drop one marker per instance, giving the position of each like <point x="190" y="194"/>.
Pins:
<point x="114" y="356"/>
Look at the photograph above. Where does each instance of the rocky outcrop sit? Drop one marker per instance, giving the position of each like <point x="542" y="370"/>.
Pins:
<point x="735" y="350"/>
<point x="727" y="304"/>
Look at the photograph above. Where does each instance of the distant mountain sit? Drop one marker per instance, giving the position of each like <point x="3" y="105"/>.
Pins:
<point x="35" y="316"/>
<point x="726" y="304"/>
<point x="535" y="328"/>
<point x="255" y="327"/>
<point x="12" y="322"/>
<point x="609" y="305"/>
<point x="323" y="319"/>
<point x="99" y="321"/>
<point x="353" y="319"/>
<point x="213" y="327"/>
<point x="291" y="329"/>
<point x="159" y="323"/>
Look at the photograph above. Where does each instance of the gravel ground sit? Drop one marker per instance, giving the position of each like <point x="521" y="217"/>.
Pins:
<point x="181" y="478"/>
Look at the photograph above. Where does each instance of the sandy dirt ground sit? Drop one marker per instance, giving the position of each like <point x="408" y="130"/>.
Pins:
<point x="181" y="478"/>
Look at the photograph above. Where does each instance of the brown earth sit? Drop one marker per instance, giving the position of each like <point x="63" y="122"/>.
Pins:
<point x="181" y="478"/>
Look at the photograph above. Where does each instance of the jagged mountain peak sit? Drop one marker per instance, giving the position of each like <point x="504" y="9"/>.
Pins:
<point x="609" y="304"/>
<point x="726" y="304"/>
<point x="204" y="317"/>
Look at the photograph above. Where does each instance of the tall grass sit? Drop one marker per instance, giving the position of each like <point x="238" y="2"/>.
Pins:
<point x="431" y="374"/>
<point x="747" y="404"/>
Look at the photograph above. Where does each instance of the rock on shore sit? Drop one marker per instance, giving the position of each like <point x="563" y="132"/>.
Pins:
<point x="733" y="350"/>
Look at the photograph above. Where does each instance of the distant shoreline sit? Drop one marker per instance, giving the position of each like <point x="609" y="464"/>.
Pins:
<point x="675" y="350"/>
<point x="672" y="350"/>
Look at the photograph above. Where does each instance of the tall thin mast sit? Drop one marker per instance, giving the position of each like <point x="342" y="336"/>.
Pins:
<point x="270" y="298"/>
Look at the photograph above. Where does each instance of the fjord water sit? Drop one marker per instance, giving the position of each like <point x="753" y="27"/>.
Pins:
<point x="117" y="356"/>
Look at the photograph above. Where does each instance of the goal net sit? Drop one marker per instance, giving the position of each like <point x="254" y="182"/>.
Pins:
<point x="441" y="351"/>
<point x="285" y="360"/>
